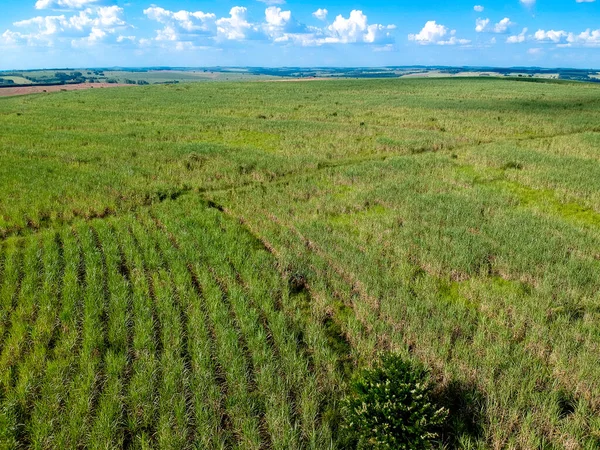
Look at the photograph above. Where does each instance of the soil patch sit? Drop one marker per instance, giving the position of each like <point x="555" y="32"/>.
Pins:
<point x="25" y="90"/>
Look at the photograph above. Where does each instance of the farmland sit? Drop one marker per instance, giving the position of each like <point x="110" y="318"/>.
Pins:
<point x="207" y="265"/>
<point x="173" y="75"/>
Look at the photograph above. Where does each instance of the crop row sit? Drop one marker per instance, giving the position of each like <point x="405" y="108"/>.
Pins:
<point x="167" y="329"/>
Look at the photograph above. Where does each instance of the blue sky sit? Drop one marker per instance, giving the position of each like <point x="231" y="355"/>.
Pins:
<point x="99" y="33"/>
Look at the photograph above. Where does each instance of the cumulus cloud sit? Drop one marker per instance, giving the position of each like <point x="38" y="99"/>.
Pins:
<point x="102" y="24"/>
<point x="187" y="30"/>
<point x="550" y="36"/>
<point x="528" y="3"/>
<point x="275" y="17"/>
<point x="279" y="26"/>
<point x="560" y="38"/>
<point x="517" y="39"/>
<point x="352" y="30"/>
<point x="481" y="25"/>
<point x="182" y="26"/>
<point x="503" y="25"/>
<point x="236" y="27"/>
<point x="11" y="38"/>
<point x="484" y="25"/>
<point x="434" y="33"/>
<point x="357" y="29"/>
<point x="190" y="29"/>
<point x="321" y="14"/>
<point x="189" y="21"/>
<point x="66" y="4"/>
<point x="478" y="8"/>
<point x="587" y="38"/>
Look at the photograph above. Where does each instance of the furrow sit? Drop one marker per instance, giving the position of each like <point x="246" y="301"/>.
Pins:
<point x="108" y="426"/>
<point x="213" y="425"/>
<point x="141" y="395"/>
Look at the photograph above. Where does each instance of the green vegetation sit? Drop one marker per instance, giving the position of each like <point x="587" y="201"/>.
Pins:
<point x="391" y="407"/>
<point x="210" y="265"/>
<point x="127" y="76"/>
<point x="174" y="75"/>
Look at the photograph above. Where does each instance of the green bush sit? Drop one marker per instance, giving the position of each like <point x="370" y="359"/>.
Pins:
<point x="391" y="407"/>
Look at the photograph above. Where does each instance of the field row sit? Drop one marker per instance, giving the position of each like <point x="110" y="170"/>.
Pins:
<point x="167" y="330"/>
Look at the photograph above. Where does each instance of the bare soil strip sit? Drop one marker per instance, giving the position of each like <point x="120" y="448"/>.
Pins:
<point x="25" y="90"/>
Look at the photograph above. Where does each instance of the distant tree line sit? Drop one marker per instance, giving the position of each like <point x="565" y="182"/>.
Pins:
<point x="138" y="82"/>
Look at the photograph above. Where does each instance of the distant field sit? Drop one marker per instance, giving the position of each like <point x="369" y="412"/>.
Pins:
<point x="17" y="80"/>
<point x="165" y="76"/>
<point x="170" y="75"/>
<point x="441" y="74"/>
<point x="206" y="265"/>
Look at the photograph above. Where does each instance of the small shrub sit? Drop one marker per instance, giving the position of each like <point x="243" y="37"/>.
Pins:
<point x="391" y="407"/>
<point x="512" y="165"/>
<point x="296" y="282"/>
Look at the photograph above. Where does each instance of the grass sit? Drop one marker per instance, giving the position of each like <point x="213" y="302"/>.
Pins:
<point x="207" y="265"/>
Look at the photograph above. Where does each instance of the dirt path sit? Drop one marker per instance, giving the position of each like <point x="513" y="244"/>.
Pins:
<point x="24" y="90"/>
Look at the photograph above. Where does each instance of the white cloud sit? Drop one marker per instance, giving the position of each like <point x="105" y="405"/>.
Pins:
<point x="483" y="25"/>
<point x="384" y="48"/>
<point x="478" y="8"/>
<point x="101" y="24"/>
<point x="517" y="39"/>
<point x="503" y="25"/>
<point x="535" y="51"/>
<point x="434" y="33"/>
<point x="528" y="3"/>
<point x="277" y="18"/>
<point x="431" y="33"/>
<point x="321" y="14"/>
<point x="235" y="27"/>
<point x="550" y="36"/>
<point x="183" y="22"/>
<point x="126" y="39"/>
<point x="357" y="29"/>
<point x="585" y="1"/>
<point x="11" y="38"/>
<point x="279" y="26"/>
<point x="587" y="39"/>
<point x="353" y="30"/>
<point x="192" y="29"/>
<point x="561" y="38"/>
<point x="65" y="4"/>
<point x="110" y="17"/>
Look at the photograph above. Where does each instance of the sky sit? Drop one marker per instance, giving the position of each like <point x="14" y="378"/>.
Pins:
<point x="37" y="34"/>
